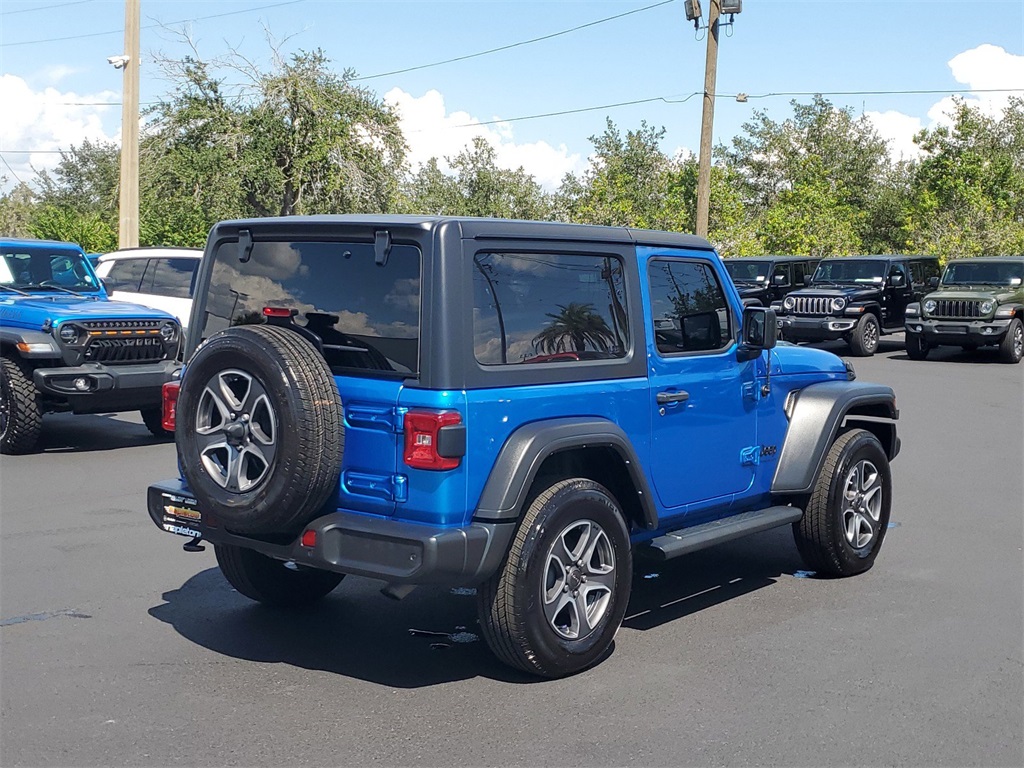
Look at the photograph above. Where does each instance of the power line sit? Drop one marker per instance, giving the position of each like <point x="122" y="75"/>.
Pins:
<point x="910" y="92"/>
<point x="13" y="172"/>
<point x="514" y="45"/>
<point x="152" y="26"/>
<point x="44" y="8"/>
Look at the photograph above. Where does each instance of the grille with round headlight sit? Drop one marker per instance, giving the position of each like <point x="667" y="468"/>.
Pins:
<point x="789" y="302"/>
<point x="929" y="306"/>
<point x="168" y="332"/>
<point x="68" y="333"/>
<point x="838" y="304"/>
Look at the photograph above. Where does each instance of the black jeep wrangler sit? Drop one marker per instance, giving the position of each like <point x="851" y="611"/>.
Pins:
<point x="762" y="280"/>
<point x="857" y="299"/>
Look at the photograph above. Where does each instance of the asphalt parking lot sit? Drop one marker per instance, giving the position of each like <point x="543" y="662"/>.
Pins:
<point x="120" y="649"/>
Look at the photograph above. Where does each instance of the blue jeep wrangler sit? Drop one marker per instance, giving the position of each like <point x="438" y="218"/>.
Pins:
<point x="66" y="347"/>
<point x="519" y="406"/>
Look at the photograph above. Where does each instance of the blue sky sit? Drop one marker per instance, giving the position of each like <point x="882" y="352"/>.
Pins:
<point x="53" y="67"/>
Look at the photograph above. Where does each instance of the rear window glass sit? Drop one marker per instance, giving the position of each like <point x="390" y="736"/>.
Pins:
<point x="548" y="308"/>
<point x="366" y="315"/>
<point x="170" y="277"/>
<point x="125" y="274"/>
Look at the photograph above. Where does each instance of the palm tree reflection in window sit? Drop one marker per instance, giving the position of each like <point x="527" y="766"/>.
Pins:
<point x="572" y="329"/>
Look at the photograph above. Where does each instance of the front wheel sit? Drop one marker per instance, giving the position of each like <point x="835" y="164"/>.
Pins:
<point x="917" y="348"/>
<point x="842" y="529"/>
<point x="21" y="418"/>
<point x="865" y="335"/>
<point x="273" y="582"/>
<point x="1011" y="348"/>
<point x="554" y="607"/>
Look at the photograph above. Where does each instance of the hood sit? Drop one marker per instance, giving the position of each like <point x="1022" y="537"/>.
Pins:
<point x="750" y="288"/>
<point x="849" y="292"/>
<point x="57" y="308"/>
<point x="794" y="360"/>
<point x="999" y="293"/>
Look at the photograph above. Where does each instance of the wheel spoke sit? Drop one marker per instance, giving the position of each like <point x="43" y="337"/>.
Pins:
<point x="234" y="386"/>
<point x="212" y="413"/>
<point x="262" y="421"/>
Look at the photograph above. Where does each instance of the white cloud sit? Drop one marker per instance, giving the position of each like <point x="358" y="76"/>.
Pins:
<point x="433" y="132"/>
<point x="983" y="68"/>
<point x="47" y="120"/>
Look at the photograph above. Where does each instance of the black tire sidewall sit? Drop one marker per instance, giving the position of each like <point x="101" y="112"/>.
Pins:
<point x="1007" y="351"/>
<point x="857" y="340"/>
<point x="863" y="446"/>
<point x="557" y="654"/>
<point x="917" y="348"/>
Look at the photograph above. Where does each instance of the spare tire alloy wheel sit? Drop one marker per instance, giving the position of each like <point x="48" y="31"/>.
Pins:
<point x="259" y="430"/>
<point x="237" y="430"/>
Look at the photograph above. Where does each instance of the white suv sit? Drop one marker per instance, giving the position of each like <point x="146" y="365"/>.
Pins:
<point x="162" y="278"/>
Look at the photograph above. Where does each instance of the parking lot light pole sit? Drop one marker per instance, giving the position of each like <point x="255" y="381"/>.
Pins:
<point x="706" y="121"/>
<point x="128" y="223"/>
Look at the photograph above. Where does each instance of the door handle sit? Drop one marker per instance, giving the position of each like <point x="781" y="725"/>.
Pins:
<point x="664" y="398"/>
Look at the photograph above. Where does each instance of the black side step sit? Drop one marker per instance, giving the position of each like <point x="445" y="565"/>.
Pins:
<point x="687" y="540"/>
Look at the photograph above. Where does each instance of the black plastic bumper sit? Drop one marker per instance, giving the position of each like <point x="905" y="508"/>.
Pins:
<point x="106" y="388"/>
<point x="816" y="328"/>
<point x="956" y="333"/>
<point x="346" y="542"/>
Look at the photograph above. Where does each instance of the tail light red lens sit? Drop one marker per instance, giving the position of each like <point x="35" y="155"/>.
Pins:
<point x="170" y="404"/>
<point x="423" y="437"/>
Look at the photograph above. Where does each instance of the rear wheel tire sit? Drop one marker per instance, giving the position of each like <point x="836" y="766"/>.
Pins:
<point x="846" y="518"/>
<point x="1011" y="348"/>
<point x="865" y="335"/>
<point x="555" y="605"/>
<point x="21" y="417"/>
<point x="153" y="418"/>
<point x="273" y="582"/>
<point x="917" y="348"/>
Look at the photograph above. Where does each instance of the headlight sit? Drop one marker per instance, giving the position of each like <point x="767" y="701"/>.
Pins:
<point x="789" y="302"/>
<point x="987" y="306"/>
<point x="929" y="306"/>
<point x="169" y="332"/>
<point x="68" y="334"/>
<point x="838" y="304"/>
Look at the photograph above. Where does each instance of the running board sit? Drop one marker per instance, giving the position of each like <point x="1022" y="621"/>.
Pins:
<point x="687" y="540"/>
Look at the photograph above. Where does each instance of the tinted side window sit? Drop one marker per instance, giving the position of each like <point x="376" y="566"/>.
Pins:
<point x="126" y="275"/>
<point x="799" y="270"/>
<point x="366" y="315"/>
<point x="688" y="305"/>
<point x="170" y="277"/>
<point x="548" y="308"/>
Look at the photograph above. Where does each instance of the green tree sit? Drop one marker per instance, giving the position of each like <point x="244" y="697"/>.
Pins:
<point x="16" y="209"/>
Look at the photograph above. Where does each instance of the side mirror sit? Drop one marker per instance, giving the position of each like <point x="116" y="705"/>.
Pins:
<point x="933" y="282"/>
<point x="896" y="279"/>
<point x="760" y="331"/>
<point x="807" y="279"/>
<point x="779" y="280"/>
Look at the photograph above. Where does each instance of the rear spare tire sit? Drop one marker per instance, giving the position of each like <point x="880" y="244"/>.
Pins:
<point x="259" y="430"/>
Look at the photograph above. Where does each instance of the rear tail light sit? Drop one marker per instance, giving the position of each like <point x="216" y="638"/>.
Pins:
<point x="170" y="404"/>
<point x="434" y="440"/>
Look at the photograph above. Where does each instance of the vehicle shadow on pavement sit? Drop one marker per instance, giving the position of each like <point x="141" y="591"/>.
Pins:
<point x="666" y="591"/>
<point x="430" y="637"/>
<point x="981" y="356"/>
<point x="71" y="433"/>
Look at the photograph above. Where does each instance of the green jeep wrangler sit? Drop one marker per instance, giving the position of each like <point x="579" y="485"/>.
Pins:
<point x="979" y="302"/>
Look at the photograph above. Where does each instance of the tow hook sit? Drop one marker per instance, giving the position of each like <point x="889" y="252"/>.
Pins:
<point x="193" y="545"/>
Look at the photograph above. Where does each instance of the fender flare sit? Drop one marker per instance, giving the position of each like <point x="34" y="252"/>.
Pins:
<point x="11" y="337"/>
<point x="816" y="414"/>
<point x="523" y="453"/>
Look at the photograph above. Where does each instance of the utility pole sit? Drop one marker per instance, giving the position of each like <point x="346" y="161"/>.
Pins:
<point x="128" y="228"/>
<point x="706" y="121"/>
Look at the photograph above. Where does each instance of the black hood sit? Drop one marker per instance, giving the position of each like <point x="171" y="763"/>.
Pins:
<point x="849" y="292"/>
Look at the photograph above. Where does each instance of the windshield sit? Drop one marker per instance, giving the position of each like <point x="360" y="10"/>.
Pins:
<point x="43" y="267"/>
<point x="982" y="273"/>
<point x="849" y="271"/>
<point x="748" y="270"/>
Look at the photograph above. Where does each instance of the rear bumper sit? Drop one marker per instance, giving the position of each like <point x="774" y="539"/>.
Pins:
<point x="347" y="542"/>
<point x="109" y="388"/>
<point x="816" y="328"/>
<point x="958" y="332"/>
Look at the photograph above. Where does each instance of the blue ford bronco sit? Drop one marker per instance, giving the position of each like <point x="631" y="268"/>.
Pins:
<point x="519" y="406"/>
<point x="64" y="346"/>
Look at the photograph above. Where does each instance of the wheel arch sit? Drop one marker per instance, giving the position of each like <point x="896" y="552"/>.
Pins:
<point x="547" y="451"/>
<point x="818" y="414"/>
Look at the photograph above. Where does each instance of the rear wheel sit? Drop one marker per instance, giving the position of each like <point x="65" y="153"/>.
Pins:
<point x="21" y="417"/>
<point x="846" y="518"/>
<point x="556" y="604"/>
<point x="917" y="348"/>
<point x="864" y="336"/>
<point x="273" y="582"/>
<point x="1011" y="348"/>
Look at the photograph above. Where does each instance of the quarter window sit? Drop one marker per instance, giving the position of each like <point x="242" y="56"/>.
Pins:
<point x="125" y="275"/>
<point x="548" y="308"/>
<point x="171" y="277"/>
<point x="690" y="313"/>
